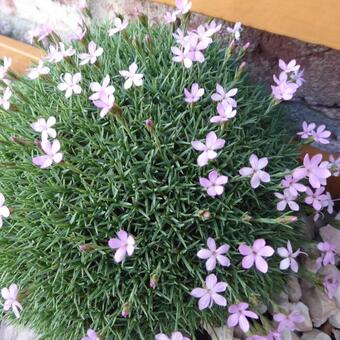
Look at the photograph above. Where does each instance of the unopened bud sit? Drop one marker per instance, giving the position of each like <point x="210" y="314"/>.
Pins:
<point x="126" y="310"/>
<point x="287" y="219"/>
<point x="246" y="46"/>
<point x="18" y="141"/>
<point x="246" y="217"/>
<point x="150" y="125"/>
<point x="204" y="214"/>
<point x="243" y="65"/>
<point x="83" y="248"/>
<point x="153" y="281"/>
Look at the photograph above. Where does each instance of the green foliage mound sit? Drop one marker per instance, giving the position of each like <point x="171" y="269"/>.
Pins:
<point x="118" y="174"/>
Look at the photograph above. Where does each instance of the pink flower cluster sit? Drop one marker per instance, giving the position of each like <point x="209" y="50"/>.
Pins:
<point x="318" y="134"/>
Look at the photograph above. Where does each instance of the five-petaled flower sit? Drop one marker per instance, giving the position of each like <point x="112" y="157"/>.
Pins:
<point x="106" y="104"/>
<point x="182" y="55"/>
<point x="125" y="244"/>
<point x="170" y="17"/>
<point x="255" y="171"/>
<point x="70" y="84"/>
<point x="4" y="211"/>
<point x="286" y="198"/>
<point x="214" y="183"/>
<point x="92" y="55"/>
<point x="101" y="91"/>
<point x="288" y="322"/>
<point x="119" y="25"/>
<point x="37" y="71"/>
<point x="236" y="30"/>
<point x="292" y="184"/>
<point x="256" y="254"/>
<point x="239" y="314"/>
<point x="291" y="66"/>
<point x="91" y="335"/>
<point x="173" y="336"/>
<point x="183" y="6"/>
<point x="328" y="251"/>
<point x="316" y="198"/>
<point x="321" y="135"/>
<point x="289" y="257"/>
<point x="316" y="171"/>
<point x="284" y="89"/>
<point x="225" y="112"/>
<point x="307" y="130"/>
<point x="4" y="100"/>
<point x="213" y="255"/>
<point x="209" y="294"/>
<point x="226" y="96"/>
<point x="132" y="77"/>
<point x="194" y="94"/>
<point x="11" y="299"/>
<point x="45" y="127"/>
<point x="52" y="154"/>
<point x="212" y="143"/>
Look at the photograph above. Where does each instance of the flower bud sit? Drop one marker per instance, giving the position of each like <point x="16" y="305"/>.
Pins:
<point x="287" y="219"/>
<point x="153" y="281"/>
<point x="126" y="310"/>
<point x="204" y="214"/>
<point x="83" y="248"/>
<point x="150" y="125"/>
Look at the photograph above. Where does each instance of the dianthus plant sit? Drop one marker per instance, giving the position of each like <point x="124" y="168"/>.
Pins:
<point x="114" y="181"/>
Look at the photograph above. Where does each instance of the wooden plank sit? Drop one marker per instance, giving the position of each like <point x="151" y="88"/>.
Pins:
<point x="309" y="20"/>
<point x="22" y="54"/>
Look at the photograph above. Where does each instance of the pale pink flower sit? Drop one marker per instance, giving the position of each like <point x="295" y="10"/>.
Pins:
<point x="44" y="31"/>
<point x="204" y="36"/>
<point x="92" y="55"/>
<point x="235" y="31"/>
<point x="255" y="255"/>
<point x="212" y="143"/>
<point x="196" y="48"/>
<point x="101" y="91"/>
<point x="286" y="199"/>
<point x="316" y="198"/>
<point x="209" y="294"/>
<point x="194" y="94"/>
<point x="183" y="6"/>
<point x="226" y="96"/>
<point x="5" y="67"/>
<point x="289" y="67"/>
<point x="91" y="335"/>
<point x="239" y="314"/>
<point x="4" y="100"/>
<point x="331" y="283"/>
<point x="173" y="336"/>
<point x="307" y="130"/>
<point x="321" y="135"/>
<point x="170" y="17"/>
<point x="214" y="183"/>
<point x="225" y="113"/>
<point x="334" y="165"/>
<point x="328" y="203"/>
<point x="105" y="104"/>
<point x="214" y="254"/>
<point x="66" y="52"/>
<point x="291" y="183"/>
<point x="45" y="127"/>
<point x="4" y="211"/>
<point x="328" y="252"/>
<point x="297" y="77"/>
<point x="70" y="84"/>
<point x="118" y="26"/>
<point x="213" y="27"/>
<point x="78" y="33"/>
<point x="132" y="77"/>
<point x="52" y="154"/>
<point x="180" y="38"/>
<point x="54" y="55"/>
<point x="288" y="322"/>
<point x="255" y="171"/>
<point x="284" y="89"/>
<point x="316" y="171"/>
<point x="181" y="55"/>
<point x="125" y="244"/>
<point x="289" y="258"/>
<point x="11" y="299"/>
<point x="39" y="70"/>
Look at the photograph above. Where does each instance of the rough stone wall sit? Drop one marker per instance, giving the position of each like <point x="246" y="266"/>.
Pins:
<point x="317" y="100"/>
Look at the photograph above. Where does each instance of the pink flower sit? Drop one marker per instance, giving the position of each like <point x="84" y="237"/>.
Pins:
<point x="321" y="135"/>
<point x="258" y="175"/>
<point x="194" y="94"/>
<point x="236" y="30"/>
<point x="225" y="112"/>
<point x="173" y="336"/>
<point x="125" y="244"/>
<point x="328" y="251"/>
<point x="290" y="67"/>
<point x="239" y="314"/>
<point x="105" y="104"/>
<point x="222" y="95"/>
<point x="91" y="335"/>
<point x="255" y="255"/>
<point x="4" y="211"/>
<point x="214" y="183"/>
<point x="328" y="202"/>
<point x="286" y="198"/>
<point x="316" y="198"/>
<point x="291" y="183"/>
<point x="334" y="165"/>
<point x="183" y="6"/>
<point x="52" y="154"/>
<point x="212" y="255"/>
<point x="101" y="91"/>
<point x="312" y="168"/>
<point x="212" y="143"/>
<point x="11" y="300"/>
<point x="209" y="294"/>
<point x="181" y="55"/>
<point x="78" y="34"/>
<point x="297" y="77"/>
<point x="284" y="89"/>
<point x="35" y="72"/>
<point x="289" y="258"/>
<point x="5" y="67"/>
<point x="204" y="36"/>
<point x="58" y="52"/>
<point x="213" y="27"/>
<point x="132" y="78"/>
<point x="331" y="283"/>
<point x="196" y="48"/>
<point x="92" y="55"/>
<point x="45" y="127"/>
<point x="4" y="100"/>
<point x="44" y="31"/>
<point x="119" y="25"/>
<point x="288" y="322"/>
<point x="170" y="17"/>
<point x="307" y="130"/>
<point x="70" y="84"/>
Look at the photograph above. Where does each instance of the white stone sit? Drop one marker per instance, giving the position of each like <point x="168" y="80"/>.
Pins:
<point x="294" y="289"/>
<point x="334" y="320"/>
<point x="331" y="235"/>
<point x="219" y="333"/>
<point x="287" y="335"/>
<point x="337" y="298"/>
<point x="9" y="332"/>
<point x="315" y="335"/>
<point x="300" y="307"/>
<point x="336" y="334"/>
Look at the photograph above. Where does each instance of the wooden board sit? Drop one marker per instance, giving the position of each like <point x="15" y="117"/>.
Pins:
<point x="22" y="54"/>
<point x="313" y="21"/>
